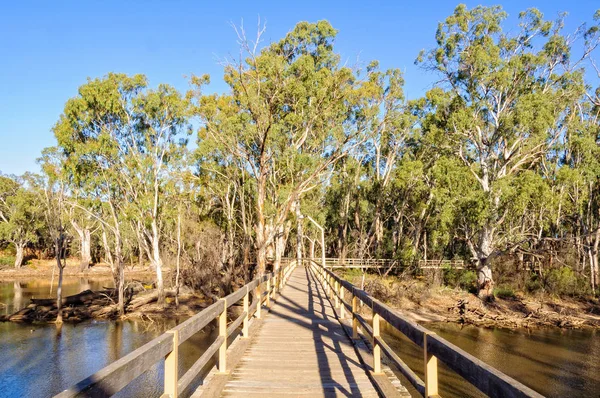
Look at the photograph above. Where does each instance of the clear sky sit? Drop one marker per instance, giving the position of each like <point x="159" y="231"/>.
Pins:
<point x="49" y="48"/>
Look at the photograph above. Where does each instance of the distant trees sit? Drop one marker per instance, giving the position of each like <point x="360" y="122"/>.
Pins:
<point x="20" y="216"/>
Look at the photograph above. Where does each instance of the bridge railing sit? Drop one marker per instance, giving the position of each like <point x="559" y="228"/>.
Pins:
<point x="365" y="263"/>
<point x="440" y="264"/>
<point x="487" y="379"/>
<point x="114" y="377"/>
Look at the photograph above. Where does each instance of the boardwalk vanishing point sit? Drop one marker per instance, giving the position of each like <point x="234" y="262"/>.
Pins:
<point x="303" y="335"/>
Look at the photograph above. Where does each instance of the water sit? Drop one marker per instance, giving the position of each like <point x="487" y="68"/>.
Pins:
<point x="554" y="362"/>
<point x="41" y="360"/>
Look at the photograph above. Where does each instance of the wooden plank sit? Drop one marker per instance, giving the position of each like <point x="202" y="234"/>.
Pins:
<point x="301" y="349"/>
<point x="196" y="323"/>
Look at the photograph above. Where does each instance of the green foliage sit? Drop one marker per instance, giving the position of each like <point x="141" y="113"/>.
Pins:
<point x="504" y="292"/>
<point x="564" y="281"/>
<point x="463" y="279"/>
<point x="7" y="260"/>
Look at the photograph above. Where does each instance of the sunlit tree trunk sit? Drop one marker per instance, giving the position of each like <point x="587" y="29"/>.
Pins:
<point x="20" y="254"/>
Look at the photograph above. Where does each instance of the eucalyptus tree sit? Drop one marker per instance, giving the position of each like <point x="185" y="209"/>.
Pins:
<point x="20" y="215"/>
<point x="119" y="139"/>
<point x="504" y="99"/>
<point x="292" y="112"/>
<point x="392" y="125"/>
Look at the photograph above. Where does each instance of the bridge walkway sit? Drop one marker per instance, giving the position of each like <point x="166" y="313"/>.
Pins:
<point x="301" y="350"/>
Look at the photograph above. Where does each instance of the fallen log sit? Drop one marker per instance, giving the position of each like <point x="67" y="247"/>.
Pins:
<point x="76" y="299"/>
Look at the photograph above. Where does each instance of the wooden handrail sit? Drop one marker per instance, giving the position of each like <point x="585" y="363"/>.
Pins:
<point x="487" y="379"/>
<point x="114" y="377"/>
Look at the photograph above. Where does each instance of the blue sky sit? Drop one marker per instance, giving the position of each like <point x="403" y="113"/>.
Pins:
<point x="49" y="48"/>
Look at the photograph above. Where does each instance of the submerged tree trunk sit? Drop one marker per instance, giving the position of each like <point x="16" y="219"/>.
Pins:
<point x="59" y="252"/>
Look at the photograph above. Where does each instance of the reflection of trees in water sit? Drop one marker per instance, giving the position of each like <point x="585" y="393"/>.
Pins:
<point x="115" y="340"/>
<point x="18" y="296"/>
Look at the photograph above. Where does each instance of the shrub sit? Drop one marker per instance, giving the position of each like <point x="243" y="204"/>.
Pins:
<point x="533" y="284"/>
<point x="504" y="292"/>
<point x="464" y="279"/>
<point x="7" y="260"/>
<point x="564" y="281"/>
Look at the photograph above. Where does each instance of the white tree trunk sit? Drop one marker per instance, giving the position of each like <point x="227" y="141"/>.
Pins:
<point x="85" y="237"/>
<point x="157" y="262"/>
<point x="19" y="255"/>
<point x="485" y="280"/>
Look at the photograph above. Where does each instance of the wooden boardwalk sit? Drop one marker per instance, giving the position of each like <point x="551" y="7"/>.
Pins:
<point x="298" y="348"/>
<point x="301" y="350"/>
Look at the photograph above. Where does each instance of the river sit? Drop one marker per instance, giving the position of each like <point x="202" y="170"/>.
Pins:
<point x="39" y="360"/>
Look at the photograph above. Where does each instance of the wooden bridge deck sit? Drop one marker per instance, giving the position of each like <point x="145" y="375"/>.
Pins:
<point x="301" y="350"/>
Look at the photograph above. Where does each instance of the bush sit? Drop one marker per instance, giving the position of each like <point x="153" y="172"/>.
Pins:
<point x="533" y="284"/>
<point x="463" y="279"/>
<point x="564" y="281"/>
<point x="504" y="292"/>
<point x="7" y="260"/>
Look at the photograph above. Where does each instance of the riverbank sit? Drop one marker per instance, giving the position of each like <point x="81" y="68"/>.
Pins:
<point x="423" y="302"/>
<point x="42" y="268"/>
<point x="140" y="304"/>
<point x="35" y="291"/>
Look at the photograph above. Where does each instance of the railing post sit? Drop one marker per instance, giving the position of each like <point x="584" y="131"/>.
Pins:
<point x="431" y="369"/>
<point x="223" y="333"/>
<point x="336" y="292"/>
<point x="376" y="346"/>
<point x="343" y="310"/>
<point x="331" y="287"/>
<point x="246" y="310"/>
<point x="354" y="319"/>
<point x="269" y="291"/>
<point x="259" y="296"/>
<point x="171" y="367"/>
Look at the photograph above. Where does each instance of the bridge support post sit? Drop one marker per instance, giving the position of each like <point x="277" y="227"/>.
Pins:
<point x="259" y="305"/>
<point x="269" y="291"/>
<point x="431" y="369"/>
<point x="223" y="333"/>
<point x="171" y="367"/>
<point x="376" y="346"/>
<point x="246" y="310"/>
<point x="343" y="309"/>
<point x="354" y="319"/>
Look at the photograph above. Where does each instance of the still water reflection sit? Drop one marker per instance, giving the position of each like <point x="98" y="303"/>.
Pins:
<point x="554" y="362"/>
<point x="39" y="361"/>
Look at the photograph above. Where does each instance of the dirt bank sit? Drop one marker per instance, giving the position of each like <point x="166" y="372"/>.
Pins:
<point x="422" y="302"/>
<point x="141" y="304"/>
<point x="45" y="268"/>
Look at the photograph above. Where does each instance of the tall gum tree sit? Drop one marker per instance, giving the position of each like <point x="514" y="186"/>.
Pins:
<point x="119" y="140"/>
<point x="292" y="112"/>
<point x="502" y="102"/>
